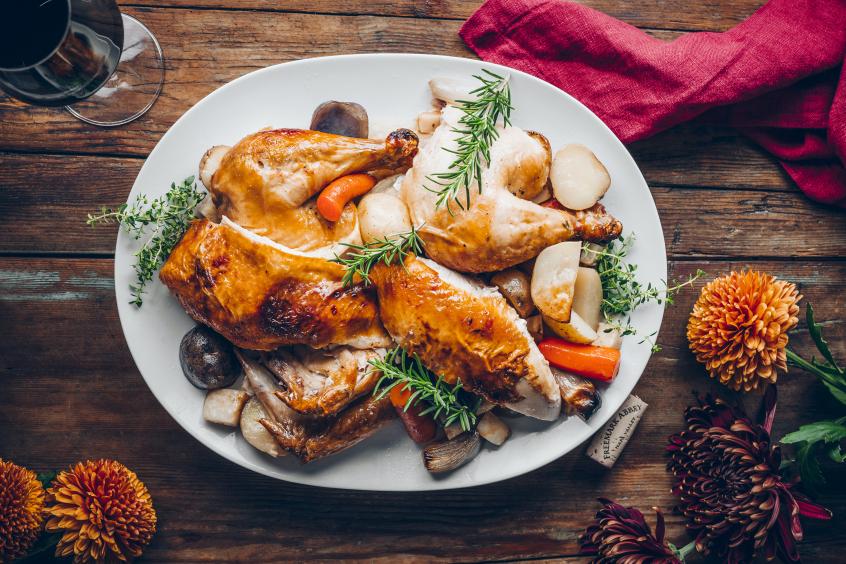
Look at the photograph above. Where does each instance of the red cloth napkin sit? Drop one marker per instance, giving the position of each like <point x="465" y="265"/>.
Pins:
<point x="776" y="76"/>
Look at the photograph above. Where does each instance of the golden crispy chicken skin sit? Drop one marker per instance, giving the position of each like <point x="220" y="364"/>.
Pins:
<point x="263" y="181"/>
<point x="502" y="227"/>
<point x="466" y="331"/>
<point x="261" y="296"/>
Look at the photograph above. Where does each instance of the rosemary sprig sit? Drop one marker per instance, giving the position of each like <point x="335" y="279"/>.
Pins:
<point x="623" y="293"/>
<point x="477" y="132"/>
<point x="361" y="260"/>
<point x="441" y="399"/>
<point x="164" y="220"/>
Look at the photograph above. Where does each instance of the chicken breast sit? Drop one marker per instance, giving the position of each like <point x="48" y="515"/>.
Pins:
<point x="322" y="382"/>
<point x="463" y="330"/>
<point x="501" y="227"/>
<point x="263" y="182"/>
<point x="260" y="295"/>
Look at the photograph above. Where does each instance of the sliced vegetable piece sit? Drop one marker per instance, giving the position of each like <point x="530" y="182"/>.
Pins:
<point x="534" y="325"/>
<point x="578" y="178"/>
<point x="381" y="216"/>
<point x="597" y="363"/>
<point x="590" y="254"/>
<point x="493" y="429"/>
<point x="588" y="296"/>
<point x="554" y="280"/>
<point x="254" y="432"/>
<point x="224" y="406"/>
<point x="421" y="428"/>
<point x="340" y="191"/>
<point x="576" y="330"/>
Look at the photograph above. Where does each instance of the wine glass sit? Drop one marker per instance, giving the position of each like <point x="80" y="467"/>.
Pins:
<point x="105" y="67"/>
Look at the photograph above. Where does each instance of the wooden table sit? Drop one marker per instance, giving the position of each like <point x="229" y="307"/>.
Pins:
<point x="71" y="391"/>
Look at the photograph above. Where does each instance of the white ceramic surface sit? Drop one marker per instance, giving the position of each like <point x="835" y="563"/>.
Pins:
<point x="394" y="90"/>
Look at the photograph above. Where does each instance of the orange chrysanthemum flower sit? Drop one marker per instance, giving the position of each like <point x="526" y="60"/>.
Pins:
<point x="21" y="510"/>
<point x="739" y="326"/>
<point x="104" y="511"/>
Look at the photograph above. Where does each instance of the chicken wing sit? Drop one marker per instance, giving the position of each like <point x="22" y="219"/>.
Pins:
<point x="322" y="382"/>
<point x="500" y="228"/>
<point x="463" y="330"/>
<point x="263" y="181"/>
<point x="260" y="295"/>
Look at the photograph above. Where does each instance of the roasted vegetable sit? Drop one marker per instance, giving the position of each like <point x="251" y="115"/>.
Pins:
<point x="493" y="429"/>
<point x="339" y="192"/>
<point x="597" y="363"/>
<point x="224" y="406"/>
<point x="341" y="118"/>
<point x="579" y="180"/>
<point x="421" y="428"/>
<point x="207" y="359"/>
<point x="444" y="456"/>
<point x="516" y="288"/>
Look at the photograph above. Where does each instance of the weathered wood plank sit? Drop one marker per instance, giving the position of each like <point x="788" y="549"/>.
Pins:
<point x="71" y="392"/>
<point x="44" y="200"/>
<point x="675" y="14"/>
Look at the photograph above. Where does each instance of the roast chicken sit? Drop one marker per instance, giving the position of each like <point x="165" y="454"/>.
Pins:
<point x="500" y="228"/>
<point x="463" y="330"/>
<point x="264" y="182"/>
<point x="320" y="382"/>
<point x="310" y="437"/>
<point x="260" y="295"/>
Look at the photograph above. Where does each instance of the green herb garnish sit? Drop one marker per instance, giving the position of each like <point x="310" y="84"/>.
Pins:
<point x="164" y="220"/>
<point x="477" y="132"/>
<point x="441" y="399"/>
<point x="622" y="293"/>
<point x="361" y="260"/>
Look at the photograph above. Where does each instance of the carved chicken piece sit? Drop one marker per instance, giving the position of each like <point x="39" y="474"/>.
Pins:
<point x="310" y="437"/>
<point x="502" y="227"/>
<point x="321" y="382"/>
<point x="263" y="182"/>
<point x="260" y="295"/>
<point x="463" y="330"/>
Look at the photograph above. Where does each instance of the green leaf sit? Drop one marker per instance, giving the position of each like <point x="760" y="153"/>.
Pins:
<point x="809" y="467"/>
<point x="835" y="454"/>
<point x="46" y="478"/>
<point x="838" y="392"/>
<point x="815" y="329"/>
<point x="826" y="431"/>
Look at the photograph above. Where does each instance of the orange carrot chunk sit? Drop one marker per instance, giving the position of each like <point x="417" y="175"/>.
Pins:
<point x="337" y="193"/>
<point x="597" y="363"/>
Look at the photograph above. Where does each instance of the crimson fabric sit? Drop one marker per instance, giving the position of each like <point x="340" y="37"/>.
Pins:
<point x="776" y="76"/>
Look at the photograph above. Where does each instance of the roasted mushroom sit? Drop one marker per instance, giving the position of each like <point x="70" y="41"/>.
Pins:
<point x="341" y="118"/>
<point x="207" y="359"/>
<point x="444" y="456"/>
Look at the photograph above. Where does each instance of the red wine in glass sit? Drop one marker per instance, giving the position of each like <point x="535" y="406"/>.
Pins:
<point x="104" y="67"/>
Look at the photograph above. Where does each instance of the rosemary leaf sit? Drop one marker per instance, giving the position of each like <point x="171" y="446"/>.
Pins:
<point x="361" y="260"/>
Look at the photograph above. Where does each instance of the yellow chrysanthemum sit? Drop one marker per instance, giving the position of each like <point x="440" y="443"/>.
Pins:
<point x="21" y="510"/>
<point x="103" y="510"/>
<point x="739" y="326"/>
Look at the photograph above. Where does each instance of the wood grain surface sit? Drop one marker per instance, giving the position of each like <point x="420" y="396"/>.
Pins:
<point x="69" y="389"/>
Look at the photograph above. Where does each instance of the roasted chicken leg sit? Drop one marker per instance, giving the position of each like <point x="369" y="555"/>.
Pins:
<point x="263" y="181"/>
<point x="500" y="228"/>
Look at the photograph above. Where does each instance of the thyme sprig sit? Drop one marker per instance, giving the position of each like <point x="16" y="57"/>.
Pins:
<point x="163" y="220"/>
<point x="477" y="132"/>
<point x="439" y="398"/>
<point x="361" y="260"/>
<point x="622" y="292"/>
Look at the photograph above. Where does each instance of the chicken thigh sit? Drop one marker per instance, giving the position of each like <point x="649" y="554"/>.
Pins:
<point x="500" y="228"/>
<point x="265" y="180"/>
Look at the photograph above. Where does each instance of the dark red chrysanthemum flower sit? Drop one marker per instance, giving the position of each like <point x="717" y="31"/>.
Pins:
<point x="727" y="479"/>
<point x="620" y="535"/>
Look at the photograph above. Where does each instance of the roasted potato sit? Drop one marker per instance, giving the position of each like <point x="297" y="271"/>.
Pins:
<point x="579" y="180"/>
<point x="382" y="215"/>
<point x="554" y="280"/>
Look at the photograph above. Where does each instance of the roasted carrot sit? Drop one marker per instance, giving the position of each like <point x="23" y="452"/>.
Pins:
<point x="421" y="428"/>
<point x="597" y="363"/>
<point x="337" y="193"/>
